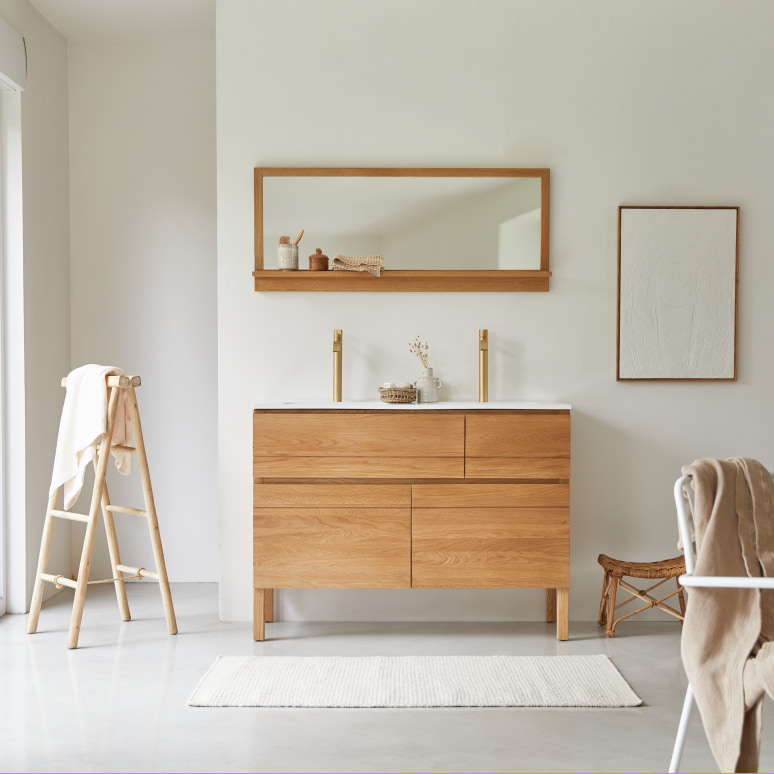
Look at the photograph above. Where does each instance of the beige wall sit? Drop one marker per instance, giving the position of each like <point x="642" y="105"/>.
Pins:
<point x="142" y="168"/>
<point x="646" y="103"/>
<point x="33" y="376"/>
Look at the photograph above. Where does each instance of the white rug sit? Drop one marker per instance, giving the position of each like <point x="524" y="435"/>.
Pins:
<point x="413" y="681"/>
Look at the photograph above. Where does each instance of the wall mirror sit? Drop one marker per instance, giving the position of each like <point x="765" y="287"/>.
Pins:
<point x="445" y="229"/>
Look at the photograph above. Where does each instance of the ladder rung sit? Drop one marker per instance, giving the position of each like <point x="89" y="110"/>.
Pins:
<point x="58" y="580"/>
<point x="115" y="381"/>
<point x="125" y="509"/>
<point x="137" y="571"/>
<point x="71" y="516"/>
<point x="118" y="447"/>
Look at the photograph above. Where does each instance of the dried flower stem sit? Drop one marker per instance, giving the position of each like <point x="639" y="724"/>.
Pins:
<point x="419" y="348"/>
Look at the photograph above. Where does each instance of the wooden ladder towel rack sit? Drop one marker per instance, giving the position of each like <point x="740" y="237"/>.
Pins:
<point x="120" y="572"/>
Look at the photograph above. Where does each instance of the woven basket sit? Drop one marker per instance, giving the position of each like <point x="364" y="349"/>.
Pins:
<point x="394" y="395"/>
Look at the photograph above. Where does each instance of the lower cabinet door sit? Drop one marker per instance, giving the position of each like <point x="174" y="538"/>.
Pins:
<point x="323" y="537"/>
<point x="498" y="536"/>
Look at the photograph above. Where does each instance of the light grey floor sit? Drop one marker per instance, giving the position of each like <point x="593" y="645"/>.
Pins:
<point x="118" y="702"/>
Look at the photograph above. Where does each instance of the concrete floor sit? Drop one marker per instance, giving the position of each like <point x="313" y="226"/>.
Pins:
<point x="118" y="702"/>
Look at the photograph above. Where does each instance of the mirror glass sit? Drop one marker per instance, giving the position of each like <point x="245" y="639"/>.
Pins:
<point x="430" y="223"/>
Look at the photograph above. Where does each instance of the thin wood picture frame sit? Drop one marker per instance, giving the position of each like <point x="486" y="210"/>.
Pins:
<point x="678" y="278"/>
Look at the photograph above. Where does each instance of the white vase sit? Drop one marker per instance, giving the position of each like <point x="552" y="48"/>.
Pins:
<point x="427" y="387"/>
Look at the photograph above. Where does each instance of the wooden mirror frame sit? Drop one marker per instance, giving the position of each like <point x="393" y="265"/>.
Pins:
<point x="414" y="280"/>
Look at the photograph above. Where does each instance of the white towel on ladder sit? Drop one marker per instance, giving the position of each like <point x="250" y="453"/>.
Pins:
<point x="84" y="420"/>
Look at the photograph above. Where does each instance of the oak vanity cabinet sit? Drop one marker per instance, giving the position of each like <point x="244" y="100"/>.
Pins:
<point x="419" y="498"/>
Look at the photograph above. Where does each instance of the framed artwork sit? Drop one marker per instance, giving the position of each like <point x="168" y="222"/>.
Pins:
<point x="678" y="270"/>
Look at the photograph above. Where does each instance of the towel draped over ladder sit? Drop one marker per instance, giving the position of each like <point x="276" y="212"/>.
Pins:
<point x="84" y="420"/>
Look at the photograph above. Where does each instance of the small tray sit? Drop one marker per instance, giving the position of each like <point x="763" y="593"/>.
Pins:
<point x="394" y="395"/>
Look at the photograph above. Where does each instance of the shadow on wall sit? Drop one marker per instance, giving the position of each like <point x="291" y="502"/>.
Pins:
<point x="614" y="474"/>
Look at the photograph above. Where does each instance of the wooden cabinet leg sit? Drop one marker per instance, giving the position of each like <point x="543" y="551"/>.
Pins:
<point x="562" y="614"/>
<point x="550" y="605"/>
<point x="259" y="614"/>
<point x="269" y="605"/>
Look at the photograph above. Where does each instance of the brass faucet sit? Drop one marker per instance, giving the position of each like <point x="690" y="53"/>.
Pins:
<point x="337" y="365"/>
<point x="483" y="365"/>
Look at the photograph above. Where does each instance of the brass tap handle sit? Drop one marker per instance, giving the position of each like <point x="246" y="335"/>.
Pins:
<point x="483" y="338"/>
<point x="337" y="365"/>
<point x="483" y="365"/>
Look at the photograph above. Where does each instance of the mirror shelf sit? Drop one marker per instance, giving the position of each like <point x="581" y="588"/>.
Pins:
<point x="403" y="281"/>
<point x="446" y="222"/>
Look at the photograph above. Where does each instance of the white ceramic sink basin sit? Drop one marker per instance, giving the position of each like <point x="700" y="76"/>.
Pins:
<point x="440" y="405"/>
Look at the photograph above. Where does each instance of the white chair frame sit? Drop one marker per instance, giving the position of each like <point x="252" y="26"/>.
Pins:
<point x="689" y="580"/>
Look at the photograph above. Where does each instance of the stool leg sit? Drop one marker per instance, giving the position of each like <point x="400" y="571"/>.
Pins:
<point x="602" y="620"/>
<point x="681" y="598"/>
<point x="610" y="631"/>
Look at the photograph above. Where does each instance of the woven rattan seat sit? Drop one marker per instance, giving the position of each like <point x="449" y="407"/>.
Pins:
<point x="666" y="568"/>
<point x="616" y="570"/>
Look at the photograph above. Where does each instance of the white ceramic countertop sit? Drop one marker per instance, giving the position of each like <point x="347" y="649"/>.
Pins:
<point x="465" y="405"/>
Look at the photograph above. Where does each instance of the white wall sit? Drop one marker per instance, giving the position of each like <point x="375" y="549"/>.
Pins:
<point x="34" y="389"/>
<point x="627" y="103"/>
<point x="142" y="161"/>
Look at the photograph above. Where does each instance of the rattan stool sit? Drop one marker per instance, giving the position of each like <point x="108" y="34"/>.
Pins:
<point x="615" y="571"/>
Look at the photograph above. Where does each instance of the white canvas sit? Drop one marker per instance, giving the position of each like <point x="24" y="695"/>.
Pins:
<point x="677" y="297"/>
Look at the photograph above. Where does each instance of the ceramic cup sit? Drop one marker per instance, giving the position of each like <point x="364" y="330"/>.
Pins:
<point x="287" y="257"/>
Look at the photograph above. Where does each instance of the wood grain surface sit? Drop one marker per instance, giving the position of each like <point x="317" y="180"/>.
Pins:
<point x="490" y="495"/>
<point x="490" y="547"/>
<point x="331" y="495"/>
<point x="332" y="548"/>
<point x="518" y="446"/>
<point x="362" y="445"/>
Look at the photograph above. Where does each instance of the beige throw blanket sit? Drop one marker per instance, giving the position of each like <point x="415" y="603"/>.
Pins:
<point x="727" y="635"/>
<point x="370" y="263"/>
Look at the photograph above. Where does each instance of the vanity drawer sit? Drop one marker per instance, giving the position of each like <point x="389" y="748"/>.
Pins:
<point x="341" y="548"/>
<point x="331" y="495"/>
<point x="529" y="445"/>
<point x="490" y="547"/>
<point x="354" y="445"/>
<point x="491" y="495"/>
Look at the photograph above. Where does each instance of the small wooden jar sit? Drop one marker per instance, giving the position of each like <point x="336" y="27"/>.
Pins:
<point x="318" y="261"/>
